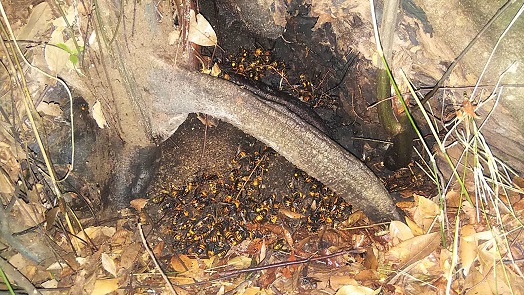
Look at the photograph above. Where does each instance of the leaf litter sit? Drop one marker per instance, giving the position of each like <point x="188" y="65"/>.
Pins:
<point x="400" y="259"/>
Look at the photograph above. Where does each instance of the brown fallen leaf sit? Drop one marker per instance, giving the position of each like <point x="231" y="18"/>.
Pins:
<point x="182" y="263"/>
<point x="200" y="31"/>
<point x="355" y="290"/>
<point x="371" y="261"/>
<point x="108" y="264"/>
<point x="157" y="250"/>
<point x="240" y="262"/>
<point x="130" y="255"/>
<point x="98" y="115"/>
<point x="105" y="286"/>
<point x="415" y="229"/>
<point x="49" y="108"/>
<point x="338" y="281"/>
<point x="38" y="21"/>
<point x="467" y="247"/>
<point x="413" y="250"/>
<point x="367" y="275"/>
<point x="138" y="204"/>
<point x="400" y="231"/>
<point x="6" y="185"/>
<point x="425" y="213"/>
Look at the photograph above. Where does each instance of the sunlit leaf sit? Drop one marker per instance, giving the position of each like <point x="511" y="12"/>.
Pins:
<point x="400" y="230"/>
<point x="108" y="264"/>
<point x="64" y="47"/>
<point x="138" y="204"/>
<point x="49" y="108"/>
<point x="338" y="281"/>
<point x="98" y="115"/>
<point x="426" y="212"/>
<point x="105" y="286"/>
<point x="467" y="247"/>
<point x="200" y="31"/>
<point x="240" y="262"/>
<point x="415" y="229"/>
<point x="414" y="249"/>
<point x="355" y="290"/>
<point x="6" y="185"/>
<point x="56" y="57"/>
<point x="182" y="263"/>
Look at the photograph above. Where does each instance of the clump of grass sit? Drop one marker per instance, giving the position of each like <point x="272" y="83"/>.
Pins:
<point x="26" y="126"/>
<point x="492" y="179"/>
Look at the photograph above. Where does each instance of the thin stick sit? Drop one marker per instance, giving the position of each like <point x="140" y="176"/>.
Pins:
<point x="158" y="268"/>
<point x="288" y="263"/>
<point x="18" y="277"/>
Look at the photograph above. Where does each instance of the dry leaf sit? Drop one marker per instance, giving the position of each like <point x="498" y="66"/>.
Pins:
<point x="355" y="290"/>
<point x="445" y="259"/>
<point x="487" y="258"/>
<point x="56" y="57"/>
<point x="471" y="212"/>
<point x="207" y="120"/>
<point x="105" y="286"/>
<point x="240" y="262"/>
<point x="414" y="249"/>
<point x="182" y="263"/>
<point x="138" y="204"/>
<point x="200" y="31"/>
<point x="57" y="266"/>
<point x="59" y="22"/>
<point x="367" y="275"/>
<point x="467" y="247"/>
<point x="415" y="229"/>
<point x="50" y="217"/>
<point x="338" y="281"/>
<point x="371" y="261"/>
<point x="38" y="22"/>
<point x="400" y="231"/>
<point x="354" y="218"/>
<point x="50" y="284"/>
<point x="263" y="251"/>
<point x="182" y="280"/>
<point x="23" y="265"/>
<point x="425" y="212"/>
<point x="108" y="264"/>
<point x="290" y="214"/>
<point x="94" y="232"/>
<point x="453" y="198"/>
<point x="29" y="214"/>
<point x="157" y="250"/>
<point x="6" y="185"/>
<point x="254" y="245"/>
<point x="173" y="37"/>
<point x="98" y="115"/>
<point x="288" y="237"/>
<point x="49" y="108"/>
<point x="129" y="255"/>
<point x="254" y="291"/>
<point x="477" y="284"/>
<point x="215" y="70"/>
<point x="468" y="110"/>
